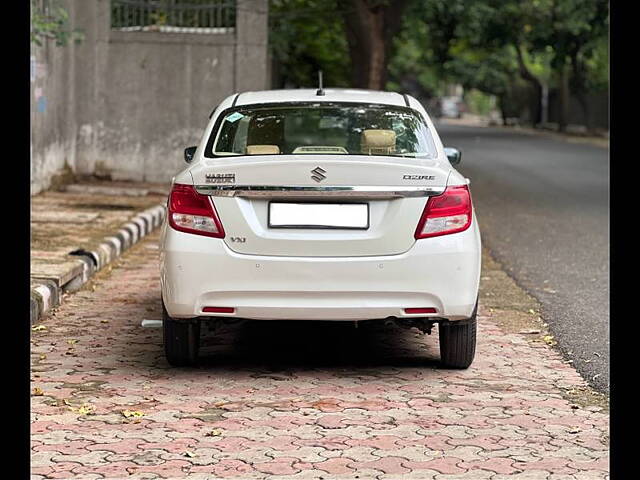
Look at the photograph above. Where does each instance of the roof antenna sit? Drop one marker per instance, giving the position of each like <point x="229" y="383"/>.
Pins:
<point x="320" y="91"/>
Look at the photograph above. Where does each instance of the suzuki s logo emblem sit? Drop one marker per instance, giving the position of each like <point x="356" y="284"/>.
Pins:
<point x="318" y="174"/>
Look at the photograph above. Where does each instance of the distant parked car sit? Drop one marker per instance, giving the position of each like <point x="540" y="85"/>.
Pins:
<point x="331" y="205"/>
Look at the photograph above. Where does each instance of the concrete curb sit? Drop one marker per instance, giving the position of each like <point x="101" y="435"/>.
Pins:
<point x="46" y="295"/>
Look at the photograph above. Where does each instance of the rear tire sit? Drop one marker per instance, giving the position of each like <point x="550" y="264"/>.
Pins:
<point x="458" y="342"/>
<point x="181" y="340"/>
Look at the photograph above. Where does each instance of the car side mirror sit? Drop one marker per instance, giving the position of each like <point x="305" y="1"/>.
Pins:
<point x="453" y="155"/>
<point x="189" y="152"/>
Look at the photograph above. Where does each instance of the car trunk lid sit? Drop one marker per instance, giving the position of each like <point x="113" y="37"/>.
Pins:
<point x="247" y="191"/>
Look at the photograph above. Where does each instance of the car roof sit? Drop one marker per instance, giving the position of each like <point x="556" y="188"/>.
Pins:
<point x="330" y="95"/>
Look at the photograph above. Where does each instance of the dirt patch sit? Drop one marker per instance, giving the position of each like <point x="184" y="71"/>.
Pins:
<point x="101" y="206"/>
<point x="62" y="178"/>
<point x="208" y="415"/>
<point x="57" y="235"/>
<point x="587" y="398"/>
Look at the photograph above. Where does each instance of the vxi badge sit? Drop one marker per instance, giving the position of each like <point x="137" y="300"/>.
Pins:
<point x="418" y="177"/>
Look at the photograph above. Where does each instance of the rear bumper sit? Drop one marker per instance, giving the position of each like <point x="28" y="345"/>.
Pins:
<point x="439" y="272"/>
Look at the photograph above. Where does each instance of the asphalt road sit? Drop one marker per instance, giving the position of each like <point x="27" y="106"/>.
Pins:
<point x="543" y="208"/>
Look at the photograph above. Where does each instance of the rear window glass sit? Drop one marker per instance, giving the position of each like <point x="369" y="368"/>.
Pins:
<point x="328" y="129"/>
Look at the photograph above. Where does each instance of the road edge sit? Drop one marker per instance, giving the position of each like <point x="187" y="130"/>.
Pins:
<point x="517" y="311"/>
<point x="595" y="141"/>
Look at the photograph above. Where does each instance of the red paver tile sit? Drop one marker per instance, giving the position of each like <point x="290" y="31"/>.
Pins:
<point x="335" y="466"/>
<point x="389" y="465"/>
<point x="447" y="465"/>
<point x="224" y="468"/>
<point x="498" y="465"/>
<point x="279" y="466"/>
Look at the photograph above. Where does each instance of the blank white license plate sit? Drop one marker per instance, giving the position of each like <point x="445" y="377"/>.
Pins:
<point x="319" y="215"/>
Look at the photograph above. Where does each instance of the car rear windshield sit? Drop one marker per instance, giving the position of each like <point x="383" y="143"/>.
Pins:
<point x="329" y="129"/>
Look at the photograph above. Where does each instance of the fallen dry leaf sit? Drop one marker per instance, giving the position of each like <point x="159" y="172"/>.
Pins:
<point x="38" y="328"/>
<point x="37" y="392"/>
<point x="132" y="413"/>
<point x="86" y="409"/>
<point x="549" y="340"/>
<point x="189" y="454"/>
<point x="216" y="432"/>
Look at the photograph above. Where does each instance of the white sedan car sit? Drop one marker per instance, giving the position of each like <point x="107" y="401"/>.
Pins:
<point x="321" y="205"/>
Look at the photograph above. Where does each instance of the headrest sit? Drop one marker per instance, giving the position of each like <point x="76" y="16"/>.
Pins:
<point x="378" y="141"/>
<point x="262" y="149"/>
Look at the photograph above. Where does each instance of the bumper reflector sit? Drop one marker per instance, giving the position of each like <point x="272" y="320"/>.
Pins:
<point x="420" y="310"/>
<point x="218" y="310"/>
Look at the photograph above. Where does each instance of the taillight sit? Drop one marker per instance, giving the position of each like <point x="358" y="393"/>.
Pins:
<point x="447" y="213"/>
<point x="191" y="212"/>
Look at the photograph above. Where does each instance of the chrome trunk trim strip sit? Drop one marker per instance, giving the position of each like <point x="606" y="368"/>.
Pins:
<point x="256" y="191"/>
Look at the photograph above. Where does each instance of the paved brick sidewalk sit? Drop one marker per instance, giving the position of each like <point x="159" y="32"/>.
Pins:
<point x="79" y="228"/>
<point x="294" y="400"/>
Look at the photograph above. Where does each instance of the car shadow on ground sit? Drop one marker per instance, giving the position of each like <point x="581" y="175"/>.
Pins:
<point x="316" y="344"/>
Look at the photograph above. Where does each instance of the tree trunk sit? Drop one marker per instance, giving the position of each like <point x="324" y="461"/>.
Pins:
<point x="579" y="86"/>
<point x="370" y="26"/>
<point x="584" y="104"/>
<point x="501" y="106"/>
<point x="536" y="101"/>
<point x="563" y="91"/>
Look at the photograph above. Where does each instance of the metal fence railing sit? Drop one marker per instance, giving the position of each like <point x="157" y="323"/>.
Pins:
<point x="183" y="16"/>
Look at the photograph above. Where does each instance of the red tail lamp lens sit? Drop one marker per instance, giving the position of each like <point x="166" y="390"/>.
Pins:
<point x="192" y="212"/>
<point x="447" y="213"/>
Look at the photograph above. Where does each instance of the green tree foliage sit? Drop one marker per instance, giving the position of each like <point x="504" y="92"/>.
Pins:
<point x="306" y="36"/>
<point x="414" y="66"/>
<point x="508" y="48"/>
<point x="574" y="30"/>
<point x="49" y="20"/>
